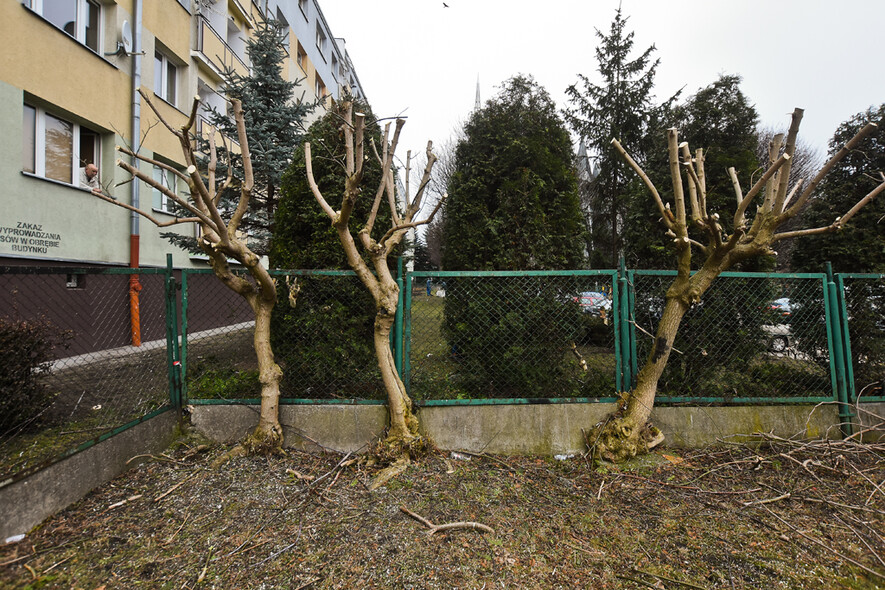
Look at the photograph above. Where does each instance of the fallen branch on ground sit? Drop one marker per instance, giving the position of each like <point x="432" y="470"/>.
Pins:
<point x="435" y="528"/>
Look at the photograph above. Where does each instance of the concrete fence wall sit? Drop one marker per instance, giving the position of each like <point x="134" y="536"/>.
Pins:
<point x="542" y="429"/>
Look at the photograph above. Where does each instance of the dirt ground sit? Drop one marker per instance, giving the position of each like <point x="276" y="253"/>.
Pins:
<point x="776" y="514"/>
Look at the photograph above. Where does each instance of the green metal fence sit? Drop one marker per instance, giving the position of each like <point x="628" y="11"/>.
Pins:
<point x="70" y="375"/>
<point x="460" y="338"/>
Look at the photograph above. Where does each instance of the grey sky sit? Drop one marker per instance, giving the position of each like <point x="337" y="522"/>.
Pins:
<point x="418" y="58"/>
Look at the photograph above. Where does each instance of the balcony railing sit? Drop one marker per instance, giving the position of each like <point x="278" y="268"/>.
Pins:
<point x="216" y="52"/>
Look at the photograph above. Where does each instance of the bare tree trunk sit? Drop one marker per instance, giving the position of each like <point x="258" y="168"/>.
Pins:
<point x="627" y="431"/>
<point x="403" y="423"/>
<point x="268" y="433"/>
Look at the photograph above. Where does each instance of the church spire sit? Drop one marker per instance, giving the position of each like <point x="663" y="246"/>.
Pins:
<point x="477" y="104"/>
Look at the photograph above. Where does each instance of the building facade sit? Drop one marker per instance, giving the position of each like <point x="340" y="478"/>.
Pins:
<point x="68" y="96"/>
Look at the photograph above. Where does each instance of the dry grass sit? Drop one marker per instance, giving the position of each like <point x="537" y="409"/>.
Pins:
<point x="717" y="518"/>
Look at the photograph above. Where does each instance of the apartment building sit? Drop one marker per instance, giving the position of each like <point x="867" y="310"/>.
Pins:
<point x="68" y="82"/>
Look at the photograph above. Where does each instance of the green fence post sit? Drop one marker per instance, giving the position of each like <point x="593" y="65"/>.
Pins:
<point x="834" y="333"/>
<point x="846" y="339"/>
<point x="182" y="348"/>
<point x="631" y="326"/>
<point x="623" y="320"/>
<point x="172" y="362"/>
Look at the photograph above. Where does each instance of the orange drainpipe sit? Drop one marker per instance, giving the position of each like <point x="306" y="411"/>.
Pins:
<point x="134" y="289"/>
<point x="134" y="283"/>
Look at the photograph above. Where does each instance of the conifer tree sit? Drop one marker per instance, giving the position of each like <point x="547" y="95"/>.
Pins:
<point x="275" y="119"/>
<point x="622" y="107"/>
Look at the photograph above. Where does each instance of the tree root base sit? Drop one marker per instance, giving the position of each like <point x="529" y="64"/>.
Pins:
<point x="395" y="454"/>
<point x="259" y="442"/>
<point x="618" y="440"/>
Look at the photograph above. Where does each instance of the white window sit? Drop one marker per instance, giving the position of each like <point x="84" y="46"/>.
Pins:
<point x="320" y="88"/>
<point x="302" y="4"/>
<point x="78" y="18"/>
<point x="165" y="77"/>
<point x="169" y="180"/>
<point x="55" y="148"/>
<point x="302" y="58"/>
<point x="321" y="41"/>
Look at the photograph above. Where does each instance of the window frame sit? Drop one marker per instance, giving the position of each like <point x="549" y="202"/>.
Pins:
<point x="321" y="40"/>
<point x="302" y="6"/>
<point x="165" y="64"/>
<point x="159" y="201"/>
<point x="81" y="32"/>
<point x="36" y="139"/>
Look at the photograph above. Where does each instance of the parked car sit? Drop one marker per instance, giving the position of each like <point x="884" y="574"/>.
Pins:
<point x="595" y="302"/>
<point x="779" y="331"/>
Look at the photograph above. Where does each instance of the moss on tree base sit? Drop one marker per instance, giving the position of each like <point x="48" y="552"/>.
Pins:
<point x="619" y="439"/>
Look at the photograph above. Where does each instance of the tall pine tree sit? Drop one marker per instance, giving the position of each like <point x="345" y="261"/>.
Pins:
<point x="275" y="120"/>
<point x="620" y="107"/>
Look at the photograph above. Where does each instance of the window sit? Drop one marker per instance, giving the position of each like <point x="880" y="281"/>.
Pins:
<point x="78" y="18"/>
<point x="320" y="88"/>
<point x="334" y="66"/>
<point x="302" y="4"/>
<point x="321" y="41"/>
<point x="55" y="148"/>
<point x="302" y="58"/>
<point x="169" y="180"/>
<point x="165" y="77"/>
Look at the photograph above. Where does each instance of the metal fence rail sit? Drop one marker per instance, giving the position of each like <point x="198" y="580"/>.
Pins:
<point x="70" y="374"/>
<point x="863" y="309"/>
<point x="494" y="335"/>
<point x="753" y="337"/>
<point x="461" y="338"/>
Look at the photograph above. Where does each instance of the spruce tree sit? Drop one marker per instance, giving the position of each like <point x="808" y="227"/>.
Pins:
<point x="621" y="107"/>
<point x="274" y="119"/>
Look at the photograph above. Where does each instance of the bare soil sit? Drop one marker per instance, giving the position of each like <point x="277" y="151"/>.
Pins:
<point x="773" y="515"/>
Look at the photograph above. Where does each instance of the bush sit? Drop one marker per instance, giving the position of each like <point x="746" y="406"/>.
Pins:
<point x="26" y="348"/>
<point x="512" y="338"/>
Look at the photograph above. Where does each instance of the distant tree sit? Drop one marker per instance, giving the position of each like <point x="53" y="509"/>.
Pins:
<point x="513" y="201"/>
<point x="513" y="205"/>
<point x="621" y="107"/>
<point x="859" y="247"/>
<point x="275" y="119"/>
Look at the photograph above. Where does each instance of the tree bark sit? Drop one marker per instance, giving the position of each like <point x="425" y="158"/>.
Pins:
<point x="268" y="434"/>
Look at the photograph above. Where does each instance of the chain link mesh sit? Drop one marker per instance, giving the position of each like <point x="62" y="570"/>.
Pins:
<point x="478" y="337"/>
<point x="749" y="337"/>
<point x="865" y="305"/>
<point x="324" y="344"/>
<point x="70" y="372"/>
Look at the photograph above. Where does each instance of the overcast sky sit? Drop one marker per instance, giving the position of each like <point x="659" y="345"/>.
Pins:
<point x="421" y="59"/>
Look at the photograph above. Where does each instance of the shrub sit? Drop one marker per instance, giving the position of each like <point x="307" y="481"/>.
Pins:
<point x="26" y="348"/>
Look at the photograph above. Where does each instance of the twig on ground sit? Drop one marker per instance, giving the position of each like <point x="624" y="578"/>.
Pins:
<point x="435" y="528"/>
<point x="827" y="547"/>
<point x="666" y="579"/>
<point x="769" y="500"/>
<point x="175" y="534"/>
<point x="173" y="488"/>
<point x="692" y="488"/>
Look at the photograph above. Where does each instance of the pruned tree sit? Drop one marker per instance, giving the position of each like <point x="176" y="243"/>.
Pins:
<point x="222" y="241"/>
<point x="694" y="228"/>
<point x="367" y="256"/>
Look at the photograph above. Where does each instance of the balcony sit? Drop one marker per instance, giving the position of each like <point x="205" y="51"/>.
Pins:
<point x="214" y="52"/>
